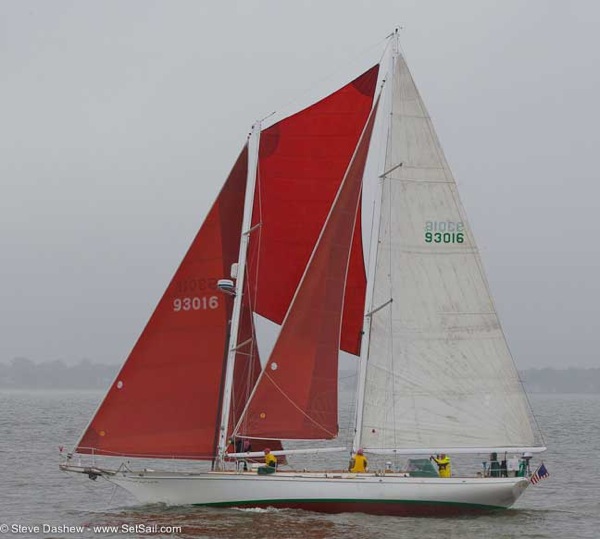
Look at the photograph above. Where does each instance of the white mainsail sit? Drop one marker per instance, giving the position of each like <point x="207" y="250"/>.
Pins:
<point x="439" y="372"/>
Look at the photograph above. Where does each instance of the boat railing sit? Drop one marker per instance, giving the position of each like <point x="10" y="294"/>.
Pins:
<point x="91" y="458"/>
<point x="514" y="467"/>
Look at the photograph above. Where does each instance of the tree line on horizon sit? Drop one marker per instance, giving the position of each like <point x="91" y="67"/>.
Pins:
<point x="23" y="373"/>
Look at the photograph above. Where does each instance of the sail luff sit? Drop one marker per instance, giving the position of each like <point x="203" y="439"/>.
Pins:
<point x="253" y="145"/>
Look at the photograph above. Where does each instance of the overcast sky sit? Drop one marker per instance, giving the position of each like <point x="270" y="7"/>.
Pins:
<point x="119" y="121"/>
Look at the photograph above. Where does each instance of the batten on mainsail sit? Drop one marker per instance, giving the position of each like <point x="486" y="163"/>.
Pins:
<point x="439" y="372"/>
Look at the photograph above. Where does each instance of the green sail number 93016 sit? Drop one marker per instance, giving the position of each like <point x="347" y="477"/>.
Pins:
<point x="444" y="232"/>
<point x="444" y="237"/>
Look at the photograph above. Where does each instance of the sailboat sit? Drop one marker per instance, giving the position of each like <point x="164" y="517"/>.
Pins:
<point x="339" y="230"/>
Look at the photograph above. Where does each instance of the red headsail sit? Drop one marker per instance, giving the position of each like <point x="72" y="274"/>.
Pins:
<point x="302" y="162"/>
<point x="296" y="396"/>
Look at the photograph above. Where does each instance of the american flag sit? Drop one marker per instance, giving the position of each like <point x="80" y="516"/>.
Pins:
<point x="539" y="474"/>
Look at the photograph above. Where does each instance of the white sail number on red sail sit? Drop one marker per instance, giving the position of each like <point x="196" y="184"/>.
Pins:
<point x="196" y="303"/>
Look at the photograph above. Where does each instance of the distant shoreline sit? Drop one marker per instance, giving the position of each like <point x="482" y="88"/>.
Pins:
<point x="23" y="373"/>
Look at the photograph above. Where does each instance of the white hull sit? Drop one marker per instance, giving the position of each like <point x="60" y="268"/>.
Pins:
<point x="389" y="494"/>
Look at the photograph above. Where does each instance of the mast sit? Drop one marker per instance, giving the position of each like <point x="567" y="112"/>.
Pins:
<point x="373" y="246"/>
<point x="253" y="146"/>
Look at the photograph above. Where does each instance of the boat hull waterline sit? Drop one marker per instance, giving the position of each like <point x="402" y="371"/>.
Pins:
<point x="330" y="493"/>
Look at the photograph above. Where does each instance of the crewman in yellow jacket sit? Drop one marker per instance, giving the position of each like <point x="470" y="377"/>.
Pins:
<point x="443" y="462"/>
<point x="358" y="463"/>
<point x="270" y="459"/>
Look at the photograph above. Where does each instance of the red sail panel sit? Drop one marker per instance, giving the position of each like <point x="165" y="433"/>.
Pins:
<point x="247" y="365"/>
<point x="245" y="375"/>
<point x="165" y="401"/>
<point x="302" y="161"/>
<point x="296" y="396"/>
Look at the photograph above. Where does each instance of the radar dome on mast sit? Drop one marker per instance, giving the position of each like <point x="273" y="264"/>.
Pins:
<point x="227" y="286"/>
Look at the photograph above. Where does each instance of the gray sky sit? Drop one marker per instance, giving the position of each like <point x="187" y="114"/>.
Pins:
<point x="120" y="120"/>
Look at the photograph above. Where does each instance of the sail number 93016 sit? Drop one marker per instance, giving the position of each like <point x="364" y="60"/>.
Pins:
<point x="444" y="232"/>
<point x="195" y="303"/>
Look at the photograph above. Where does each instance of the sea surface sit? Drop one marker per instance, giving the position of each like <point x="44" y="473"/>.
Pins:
<point x="35" y="493"/>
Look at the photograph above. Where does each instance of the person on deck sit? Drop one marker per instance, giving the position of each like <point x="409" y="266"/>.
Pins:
<point x="443" y="462"/>
<point x="494" y="465"/>
<point x="242" y="445"/>
<point x="358" y="463"/>
<point x="270" y="459"/>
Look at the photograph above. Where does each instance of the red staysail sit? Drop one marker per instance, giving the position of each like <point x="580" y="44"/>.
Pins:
<point x="302" y="161"/>
<point x="296" y="397"/>
<point x="165" y="401"/>
<point x="246" y="372"/>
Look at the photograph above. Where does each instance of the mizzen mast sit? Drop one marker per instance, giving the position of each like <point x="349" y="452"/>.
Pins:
<point x="253" y="147"/>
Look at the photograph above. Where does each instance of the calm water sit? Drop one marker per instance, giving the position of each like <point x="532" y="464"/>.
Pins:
<point x="34" y="492"/>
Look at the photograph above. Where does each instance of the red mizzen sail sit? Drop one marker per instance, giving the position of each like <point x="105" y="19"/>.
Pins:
<point x="302" y="161"/>
<point x="165" y="401"/>
<point x="296" y="397"/>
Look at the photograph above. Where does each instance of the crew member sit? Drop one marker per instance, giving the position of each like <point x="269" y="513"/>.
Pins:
<point x="270" y="459"/>
<point x="241" y="445"/>
<point x="443" y="462"/>
<point x="358" y="463"/>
